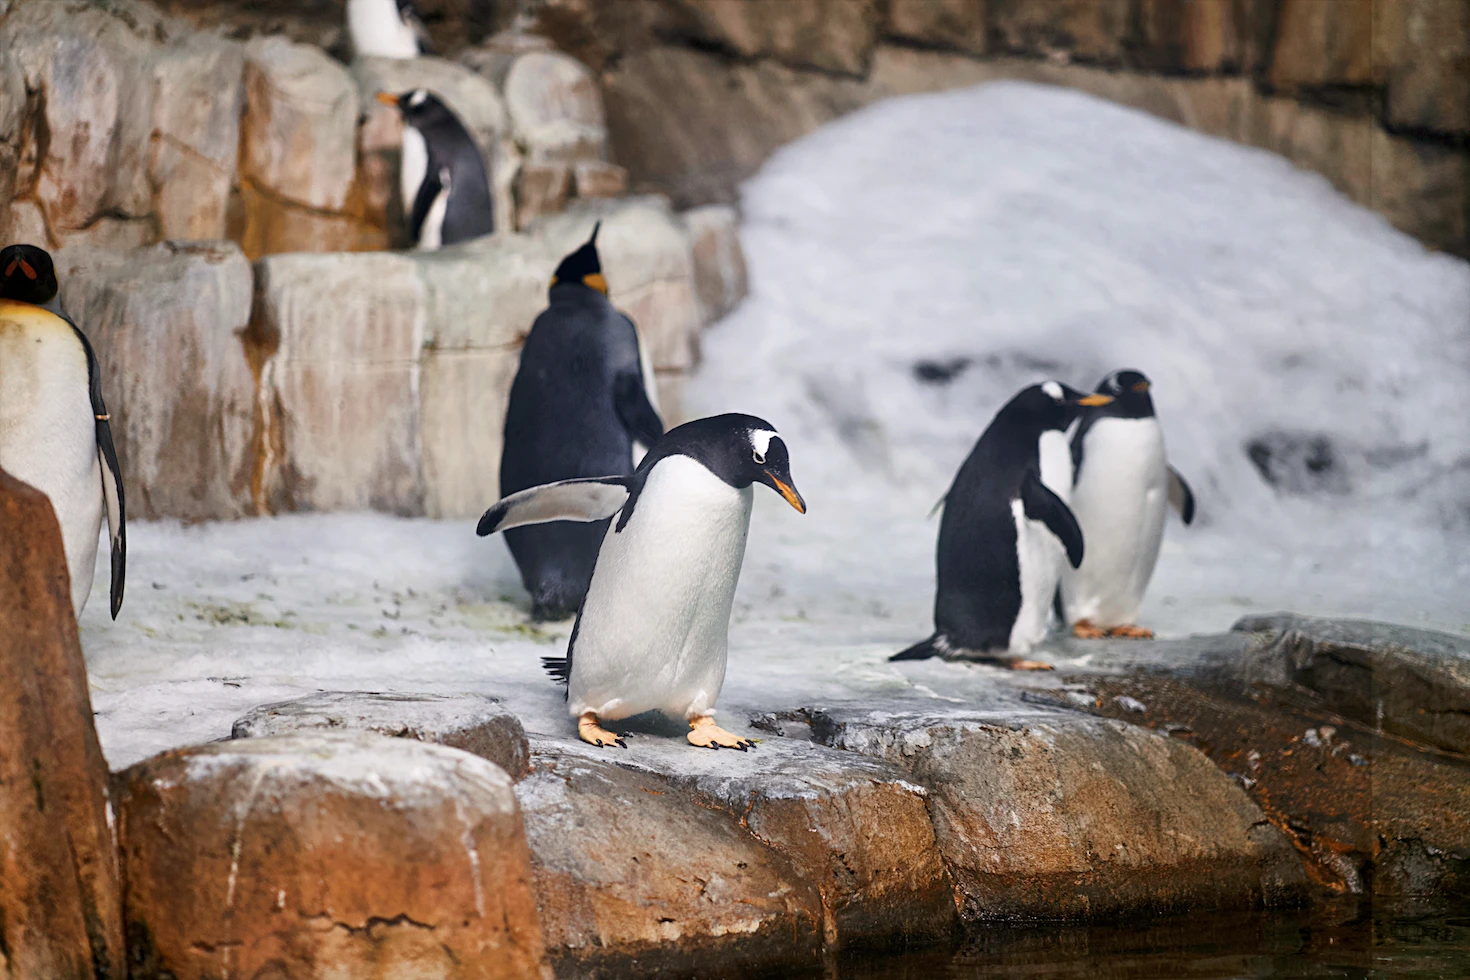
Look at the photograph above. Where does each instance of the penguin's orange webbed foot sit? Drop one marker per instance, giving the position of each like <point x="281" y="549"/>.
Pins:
<point x="1021" y="663"/>
<point x="1132" y="632"/>
<point x="1084" y="630"/>
<point x="594" y="734"/>
<point x="704" y="733"/>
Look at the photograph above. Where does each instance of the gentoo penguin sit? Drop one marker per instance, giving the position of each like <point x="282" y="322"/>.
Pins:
<point x="653" y="633"/>
<point x="1004" y="536"/>
<point x="1121" y="489"/>
<point x="385" y="29"/>
<point x="579" y="401"/>
<point x="446" y="192"/>
<point x="54" y="431"/>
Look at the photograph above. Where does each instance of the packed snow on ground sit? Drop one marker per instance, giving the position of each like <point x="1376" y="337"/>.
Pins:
<point x="912" y="265"/>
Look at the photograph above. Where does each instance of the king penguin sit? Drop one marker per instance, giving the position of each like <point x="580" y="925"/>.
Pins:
<point x="446" y="191"/>
<point x="386" y="29"/>
<point x="579" y="401"/>
<point x="1004" y="536"/>
<point x="54" y="431"/>
<point x="1122" y="488"/>
<point x="653" y="633"/>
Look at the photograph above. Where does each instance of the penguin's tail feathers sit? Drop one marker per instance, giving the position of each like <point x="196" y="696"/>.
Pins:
<point x="559" y="668"/>
<point x="922" y="650"/>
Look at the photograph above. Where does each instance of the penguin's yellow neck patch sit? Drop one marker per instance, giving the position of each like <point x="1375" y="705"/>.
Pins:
<point x="595" y="281"/>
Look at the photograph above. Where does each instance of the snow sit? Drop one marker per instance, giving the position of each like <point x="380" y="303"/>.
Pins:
<point x="1010" y="232"/>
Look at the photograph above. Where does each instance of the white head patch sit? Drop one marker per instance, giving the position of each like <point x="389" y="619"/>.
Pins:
<point x="417" y="97"/>
<point x="760" y="441"/>
<point x="1053" y="389"/>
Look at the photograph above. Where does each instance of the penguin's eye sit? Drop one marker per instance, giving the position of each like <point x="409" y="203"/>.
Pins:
<point x="758" y="456"/>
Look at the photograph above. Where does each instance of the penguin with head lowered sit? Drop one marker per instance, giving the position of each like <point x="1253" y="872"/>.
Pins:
<point x="1004" y="536"/>
<point x="54" y="427"/>
<point x="1122" y="487"/>
<point x="386" y="29"/>
<point x="446" y="190"/>
<point x="579" y="401"/>
<point x="653" y="633"/>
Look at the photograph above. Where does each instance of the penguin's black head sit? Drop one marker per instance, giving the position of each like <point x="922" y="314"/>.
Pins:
<point x="1051" y="405"/>
<point x="27" y="274"/>
<point x="583" y="266"/>
<point x="420" y="108"/>
<point x="1129" y="390"/>
<point x="739" y="449"/>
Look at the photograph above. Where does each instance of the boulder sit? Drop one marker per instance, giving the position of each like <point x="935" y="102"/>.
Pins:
<point x="326" y="852"/>
<point x="12" y="123"/>
<point x="597" y="178"/>
<point x="1055" y="815"/>
<point x="166" y="322"/>
<point x="720" y="278"/>
<point x="473" y="723"/>
<point x="1194" y="36"/>
<point x="60" y="889"/>
<point x="555" y="108"/>
<point x="1085" y="30"/>
<point x="805" y="34"/>
<point x="198" y="95"/>
<point x="23" y="222"/>
<point x="1425" y="45"/>
<point x="1321" y="44"/>
<point x="541" y="188"/>
<point x="956" y="24"/>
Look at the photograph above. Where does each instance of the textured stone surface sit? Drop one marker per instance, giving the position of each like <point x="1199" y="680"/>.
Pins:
<point x="1087" y="30"/>
<point x="166" y="323"/>
<point x="1197" y="35"/>
<point x="597" y="178"/>
<point x="720" y="278"/>
<point x="1323" y="44"/>
<point x="60" y="894"/>
<point x="555" y="108"/>
<point x="958" y="24"/>
<point x="541" y="189"/>
<point x="343" y="853"/>
<point x="473" y="723"/>
<point x="198" y="96"/>
<point x="1426" y="45"/>
<point x="834" y="37"/>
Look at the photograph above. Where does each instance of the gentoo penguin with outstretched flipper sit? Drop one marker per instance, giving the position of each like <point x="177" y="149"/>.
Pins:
<point x="54" y="431"/>
<point x="385" y="29"/>
<point x="653" y="633"/>
<point x="1122" y="487"/>
<point x="1004" y="537"/>
<point x="579" y="401"/>
<point x="446" y="192"/>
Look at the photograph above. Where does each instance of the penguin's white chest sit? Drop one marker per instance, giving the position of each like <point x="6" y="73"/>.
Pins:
<point x="1120" y="500"/>
<point x="1055" y="453"/>
<point x="1040" y="556"/>
<point x="653" y="633"/>
<point x="378" y="30"/>
<point x="47" y="432"/>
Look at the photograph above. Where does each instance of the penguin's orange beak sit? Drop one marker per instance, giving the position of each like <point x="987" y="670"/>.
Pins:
<point x="1094" y="400"/>
<point x="388" y="98"/>
<point x="788" y="492"/>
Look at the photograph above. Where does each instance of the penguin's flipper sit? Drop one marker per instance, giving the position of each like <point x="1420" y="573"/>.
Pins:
<point x="569" y="500"/>
<point x="112" y="487"/>
<point x="922" y="650"/>
<point x="1181" y="497"/>
<point x="640" y="418"/>
<point x="423" y="202"/>
<point x="1044" y="506"/>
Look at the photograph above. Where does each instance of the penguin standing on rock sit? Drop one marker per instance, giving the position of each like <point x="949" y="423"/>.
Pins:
<point x="1004" y="537"/>
<point x="54" y="431"/>
<point x="386" y="29"/>
<point x="1123" y="485"/>
<point x="653" y="633"/>
<point x="579" y="401"/>
<point x="446" y="191"/>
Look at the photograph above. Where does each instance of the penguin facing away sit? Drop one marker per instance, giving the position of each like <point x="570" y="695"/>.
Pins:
<point x="1123" y="485"/>
<point x="386" y="29"/>
<point x="653" y="633"/>
<point x="54" y="426"/>
<point x="578" y="403"/>
<point x="1004" y="536"/>
<point x="446" y="191"/>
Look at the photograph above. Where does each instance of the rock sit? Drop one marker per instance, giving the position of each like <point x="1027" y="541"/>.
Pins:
<point x="596" y="178"/>
<point x="1061" y="816"/>
<point x="23" y="222"/>
<point x="347" y="853"/>
<point x="1323" y="44"/>
<point x="166" y="323"/>
<point x="719" y="262"/>
<point x="1408" y="682"/>
<point x="337" y="338"/>
<point x="957" y="24"/>
<point x="198" y="95"/>
<point x="60" y="892"/>
<point x="12" y="123"/>
<point x="472" y="723"/>
<point x="630" y="872"/>
<point x="1426" y="46"/>
<point x="1087" y="30"/>
<point x="1193" y="35"/>
<point x="541" y="188"/>
<point x="831" y="37"/>
<point x="555" y="108"/>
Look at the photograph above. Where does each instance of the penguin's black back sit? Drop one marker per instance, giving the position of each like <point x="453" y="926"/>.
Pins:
<point x="562" y="424"/>
<point x="470" y="211"/>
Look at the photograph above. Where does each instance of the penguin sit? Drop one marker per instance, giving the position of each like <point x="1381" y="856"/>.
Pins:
<point x="1122" y="487"/>
<point x="1004" y="536"/>
<point x="446" y="190"/>
<point x="54" y="426"/>
<point x="579" y="401"/>
<point x="386" y="29"/>
<point x="653" y="633"/>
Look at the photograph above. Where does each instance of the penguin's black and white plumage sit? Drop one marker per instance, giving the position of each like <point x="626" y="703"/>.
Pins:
<point x="54" y="427"/>
<point x="386" y="29"/>
<point x="1004" y="536"/>
<point x="652" y="634"/>
<point x="446" y="190"/>
<point x="579" y="402"/>
<point x="1122" y="488"/>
